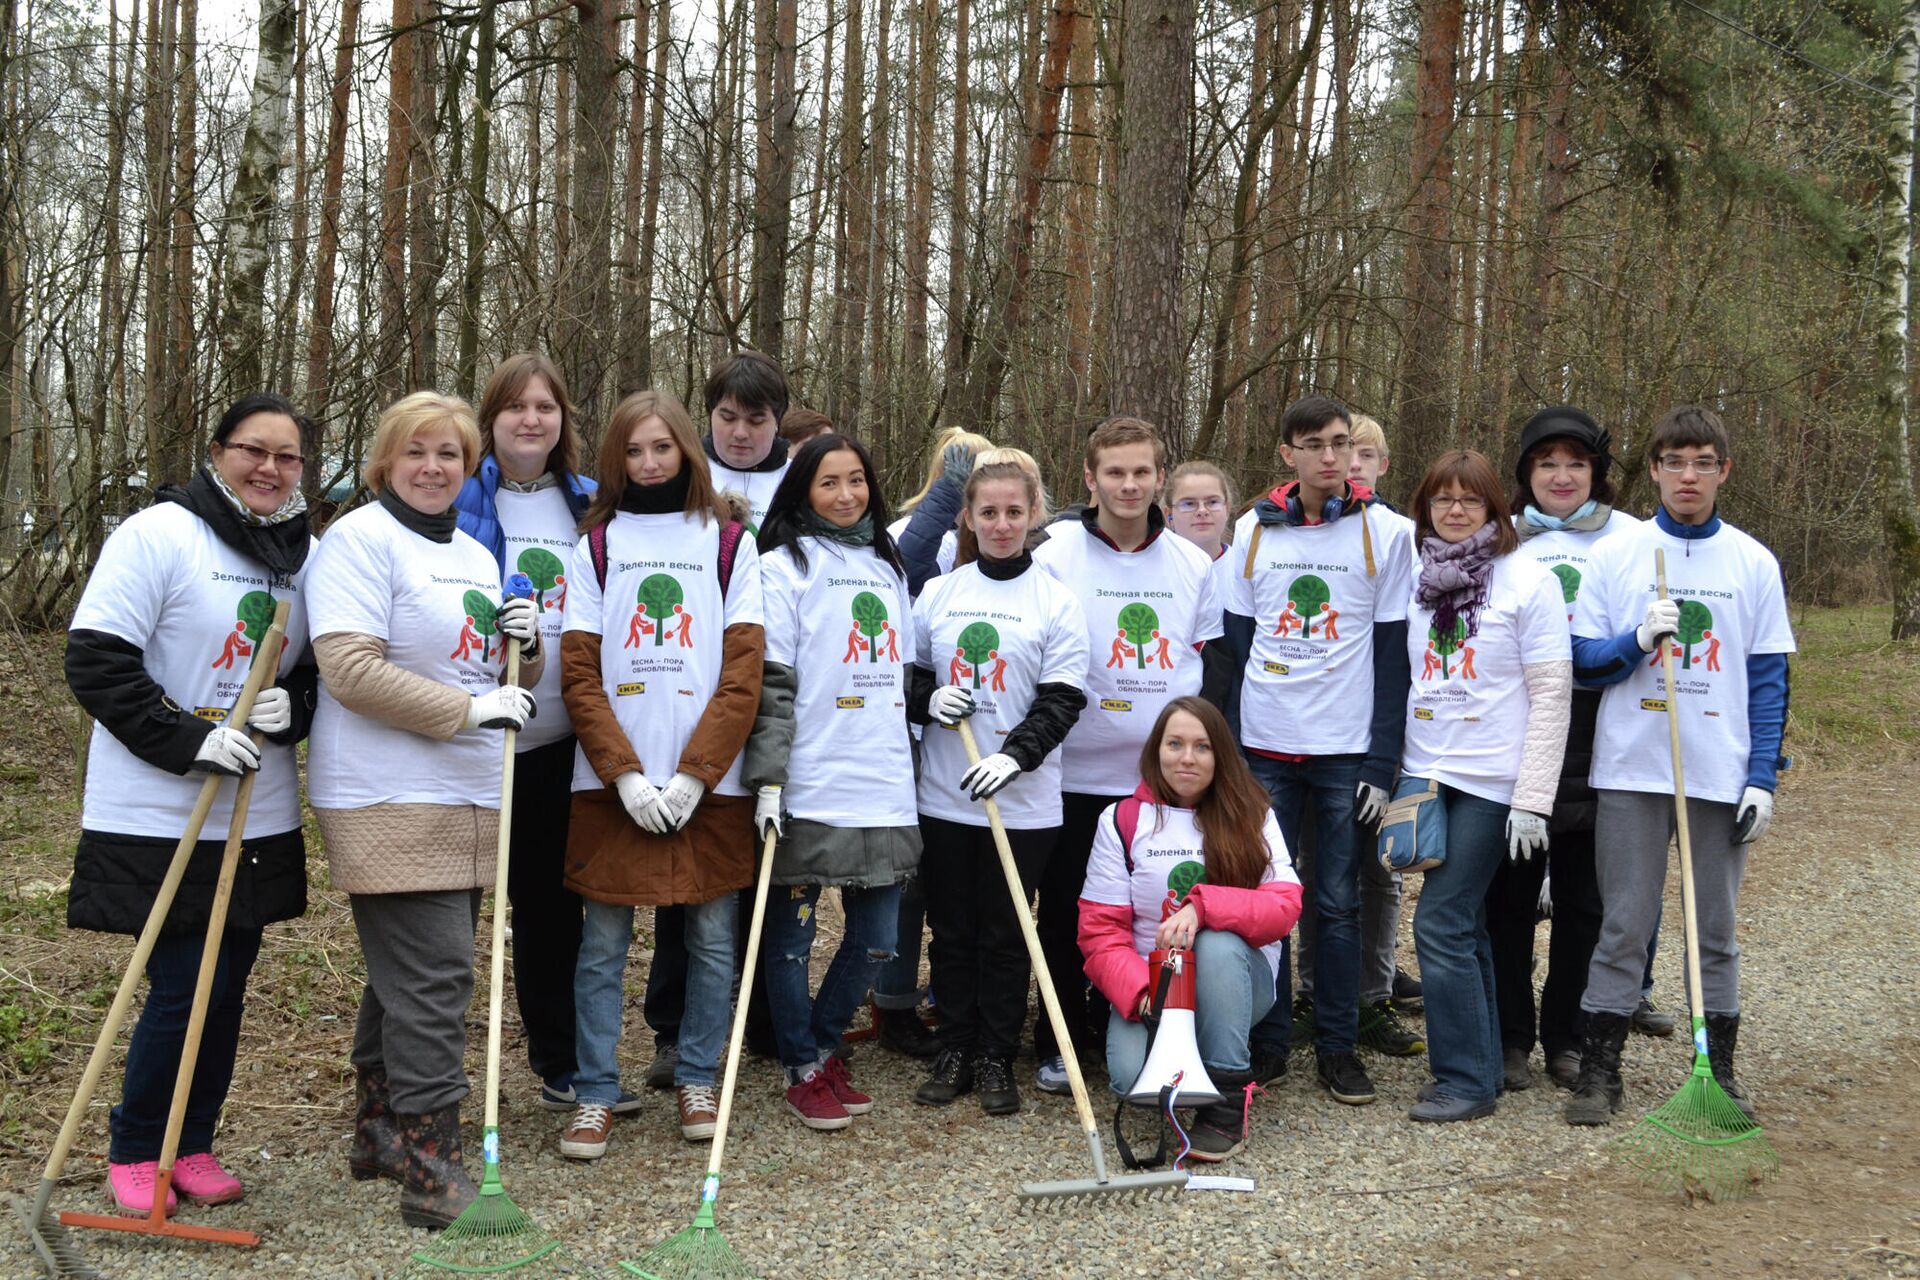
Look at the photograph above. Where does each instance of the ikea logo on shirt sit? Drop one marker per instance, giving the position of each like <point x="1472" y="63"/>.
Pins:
<point x="1115" y="704"/>
<point x="630" y="688"/>
<point x="1423" y="713"/>
<point x="849" y="704"/>
<point x="215" y="714"/>
<point x="1275" y="668"/>
<point x="1653" y="704"/>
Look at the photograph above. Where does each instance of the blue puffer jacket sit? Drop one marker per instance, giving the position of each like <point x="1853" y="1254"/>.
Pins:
<point x="480" y="518"/>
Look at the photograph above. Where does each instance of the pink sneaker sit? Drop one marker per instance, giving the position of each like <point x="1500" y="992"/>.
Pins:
<point x="132" y="1187"/>
<point x="201" y="1180"/>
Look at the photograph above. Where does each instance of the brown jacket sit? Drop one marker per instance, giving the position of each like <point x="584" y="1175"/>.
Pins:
<point x="609" y="858"/>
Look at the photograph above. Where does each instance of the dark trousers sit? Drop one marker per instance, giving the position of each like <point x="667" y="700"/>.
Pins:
<point x="546" y="914"/>
<point x="139" y="1124"/>
<point x="1084" y="1008"/>
<point x="1512" y="909"/>
<point x="665" y="1001"/>
<point x="419" y="949"/>
<point x="978" y="957"/>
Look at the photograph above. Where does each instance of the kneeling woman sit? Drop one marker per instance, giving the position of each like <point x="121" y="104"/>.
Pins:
<point x="1486" y="729"/>
<point x="831" y="743"/>
<point x="1194" y="859"/>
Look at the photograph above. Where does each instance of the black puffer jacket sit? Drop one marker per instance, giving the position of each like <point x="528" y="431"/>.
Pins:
<point x="1574" y="802"/>
<point x="116" y="878"/>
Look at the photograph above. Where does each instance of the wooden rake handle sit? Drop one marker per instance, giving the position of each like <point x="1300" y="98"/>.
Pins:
<point x="738" y="1035"/>
<point x="1692" y="930"/>
<point x="497" y="974"/>
<point x="257" y="673"/>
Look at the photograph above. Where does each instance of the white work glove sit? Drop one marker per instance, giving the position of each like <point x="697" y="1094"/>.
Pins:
<point x="508" y="707"/>
<point x="1753" y="815"/>
<point x="517" y="619"/>
<point x="272" y="711"/>
<point x="1369" y="804"/>
<point x="990" y="776"/>
<point x="226" y="751"/>
<point x="642" y="802"/>
<point x="1526" y="835"/>
<point x="1546" y="894"/>
<point x="681" y="796"/>
<point x="1663" y="620"/>
<point x="950" y="704"/>
<point x="766" y="812"/>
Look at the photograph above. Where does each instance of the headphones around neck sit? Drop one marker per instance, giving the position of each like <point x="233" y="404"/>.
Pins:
<point x="1331" y="510"/>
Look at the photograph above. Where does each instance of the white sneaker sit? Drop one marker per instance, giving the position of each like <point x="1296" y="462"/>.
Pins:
<point x="1052" y="1077"/>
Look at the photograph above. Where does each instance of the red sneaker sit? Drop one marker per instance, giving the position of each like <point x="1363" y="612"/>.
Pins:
<point x="840" y="1078"/>
<point x="813" y="1101"/>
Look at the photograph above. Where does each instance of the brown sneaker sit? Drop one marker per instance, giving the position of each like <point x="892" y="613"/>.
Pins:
<point x="586" y="1134"/>
<point x="698" y="1111"/>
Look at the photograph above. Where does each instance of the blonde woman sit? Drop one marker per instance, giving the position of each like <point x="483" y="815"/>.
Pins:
<point x="924" y="533"/>
<point x="404" y="775"/>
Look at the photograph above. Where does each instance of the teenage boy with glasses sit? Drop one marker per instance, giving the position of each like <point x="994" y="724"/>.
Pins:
<point x="1316" y="615"/>
<point x="1726" y="627"/>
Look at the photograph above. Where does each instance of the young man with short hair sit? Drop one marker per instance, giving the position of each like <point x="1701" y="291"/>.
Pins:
<point x="1151" y="610"/>
<point x="1317" y="617"/>
<point x="746" y="398"/>
<point x="1725" y="625"/>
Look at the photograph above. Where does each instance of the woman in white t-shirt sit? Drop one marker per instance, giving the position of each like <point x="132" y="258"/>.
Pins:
<point x="830" y="758"/>
<point x="1193" y="859"/>
<point x="1004" y="643"/>
<point x="157" y="652"/>
<point x="404" y="776"/>
<point x="662" y="660"/>
<point x="1486" y="726"/>
<point x="1563" y="512"/>
<point x="524" y="503"/>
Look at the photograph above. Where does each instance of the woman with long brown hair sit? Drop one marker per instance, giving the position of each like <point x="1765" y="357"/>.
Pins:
<point x="1193" y="859"/>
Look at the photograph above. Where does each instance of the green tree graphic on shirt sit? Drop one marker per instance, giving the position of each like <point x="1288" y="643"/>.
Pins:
<point x="1139" y="621"/>
<point x="1449" y="644"/>
<point x="1695" y="622"/>
<point x="482" y="610"/>
<point x="545" y="569"/>
<point x="871" y="616"/>
<point x="976" y="642"/>
<point x="657" y="595"/>
<point x="1182" y="878"/>
<point x="1308" y="592"/>
<point x="255" y="610"/>
<point x="1569" y="582"/>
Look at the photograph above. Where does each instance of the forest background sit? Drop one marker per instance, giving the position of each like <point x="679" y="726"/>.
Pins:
<point x="1015" y="215"/>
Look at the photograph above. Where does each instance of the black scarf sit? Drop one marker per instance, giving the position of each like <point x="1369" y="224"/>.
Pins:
<point x="657" y="499"/>
<point x="857" y="534"/>
<point x="433" y="528"/>
<point x="776" y="457"/>
<point x="1005" y="570"/>
<point x="282" y="547"/>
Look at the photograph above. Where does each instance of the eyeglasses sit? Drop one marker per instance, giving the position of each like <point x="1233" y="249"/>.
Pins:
<point x="1467" y="503"/>
<point x="1678" y="465"/>
<point x="257" y="455"/>
<point x="1187" y="506"/>
<point x="1339" y="444"/>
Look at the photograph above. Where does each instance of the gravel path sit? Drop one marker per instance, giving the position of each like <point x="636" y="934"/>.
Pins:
<point x="1830" y="932"/>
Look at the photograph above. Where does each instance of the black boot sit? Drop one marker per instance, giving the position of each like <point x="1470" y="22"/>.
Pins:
<point x="993" y="1081"/>
<point x="952" y="1076"/>
<point x="1220" y="1128"/>
<point x="1723" y="1029"/>
<point x="377" y="1151"/>
<point x="1599" y="1092"/>
<point x="437" y="1188"/>
<point x="902" y="1031"/>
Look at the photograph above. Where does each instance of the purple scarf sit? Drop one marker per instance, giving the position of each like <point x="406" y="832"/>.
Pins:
<point x="1456" y="576"/>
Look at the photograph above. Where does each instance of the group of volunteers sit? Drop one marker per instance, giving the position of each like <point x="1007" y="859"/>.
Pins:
<point x="1199" y="731"/>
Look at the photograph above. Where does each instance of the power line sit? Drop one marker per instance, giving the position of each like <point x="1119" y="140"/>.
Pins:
<point x="1795" y="54"/>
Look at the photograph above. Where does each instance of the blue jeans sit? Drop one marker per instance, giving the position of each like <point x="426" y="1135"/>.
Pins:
<point x="600" y="1004"/>
<point x="1233" y="989"/>
<point x="1328" y="783"/>
<point x="807" y="1030"/>
<point x="139" y="1123"/>
<point x="1456" y="953"/>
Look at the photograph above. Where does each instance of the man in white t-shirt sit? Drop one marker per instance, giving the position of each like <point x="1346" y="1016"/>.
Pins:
<point x="1726" y="629"/>
<point x="1153" y="626"/>
<point x="1317" y="617"/>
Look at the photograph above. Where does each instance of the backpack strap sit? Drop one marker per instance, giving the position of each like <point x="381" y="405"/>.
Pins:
<point x="1126" y="821"/>
<point x="1253" y="547"/>
<point x="597" y="548"/>
<point x="730" y="536"/>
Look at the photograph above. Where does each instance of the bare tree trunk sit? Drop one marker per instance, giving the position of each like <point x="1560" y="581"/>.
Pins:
<point x="320" y="331"/>
<point x="1149" y="331"/>
<point x="879" y="235"/>
<point x="955" y="356"/>
<point x="1899" y="203"/>
<point x="920" y="213"/>
<point x="1083" y="163"/>
<point x="285" y="326"/>
<point x="586" y="335"/>
<point x="1501" y="287"/>
<point x="1424" y="373"/>
<point x="251" y="205"/>
<point x="423" y="248"/>
<point x="633" y="201"/>
<point x="819" y="195"/>
<point x="650" y="219"/>
<point x="474" y="210"/>
<point x="161" y="17"/>
<point x="850" y="250"/>
<point x="776" y="33"/>
<point x="391" y="369"/>
<point x="178" y="448"/>
<point x="1545" y="382"/>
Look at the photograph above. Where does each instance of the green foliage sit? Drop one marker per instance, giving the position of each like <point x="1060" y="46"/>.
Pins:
<point x="1183" y="877"/>
<point x="1139" y="621"/>
<point x="482" y="610"/>
<point x="870" y="613"/>
<point x="544" y="568"/>
<point x="976" y="642"/>
<point x="658" y="593"/>
<point x="1449" y="644"/>
<point x="1695" y="622"/>
<point x="1308" y="592"/>
<point x="1569" y="582"/>
<point x="256" y="610"/>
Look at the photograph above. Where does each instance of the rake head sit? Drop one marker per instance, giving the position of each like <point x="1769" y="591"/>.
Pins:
<point x="1700" y="1143"/>
<point x="1133" y="1186"/>
<point x="58" y="1253"/>
<point x="696" y="1253"/>
<point x="494" y="1236"/>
